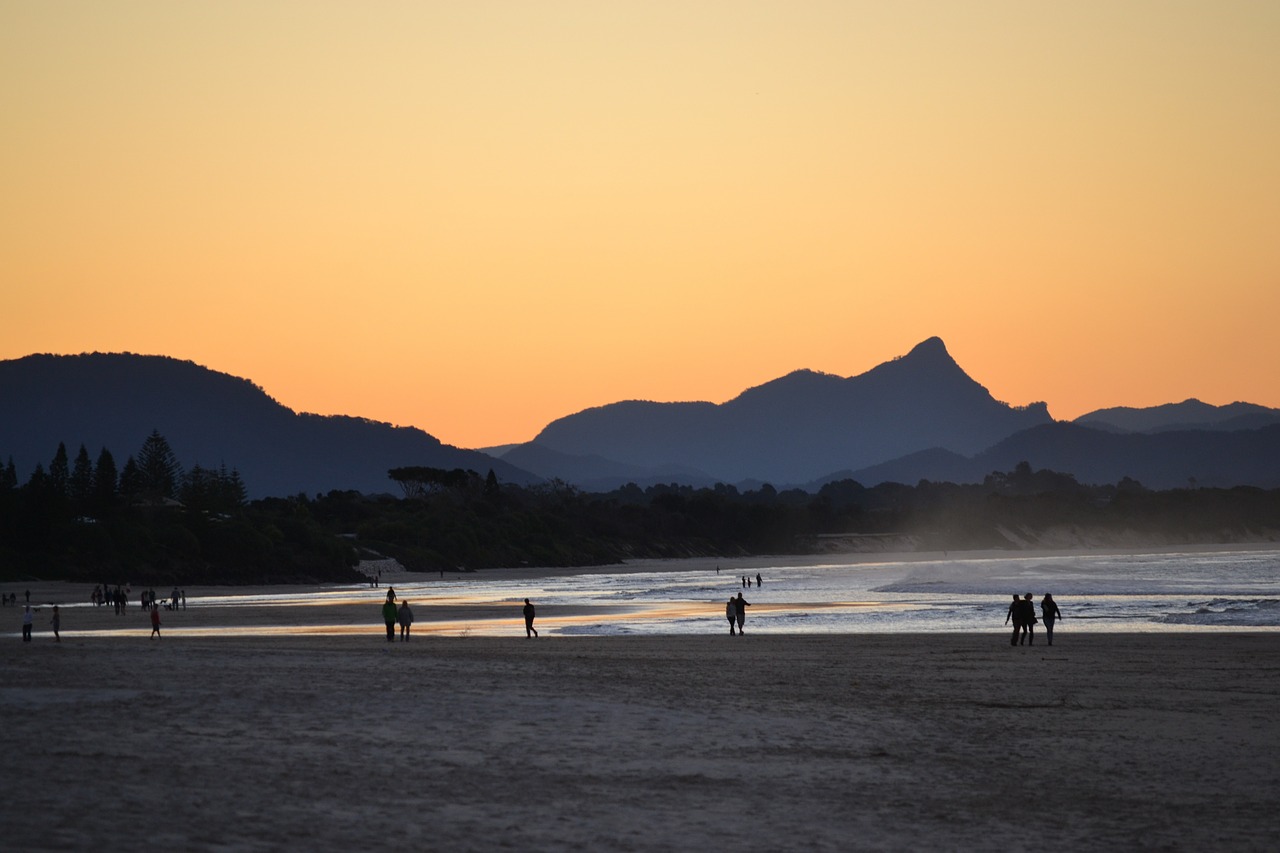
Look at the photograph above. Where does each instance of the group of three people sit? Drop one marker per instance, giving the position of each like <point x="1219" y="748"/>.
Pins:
<point x="1022" y="613"/>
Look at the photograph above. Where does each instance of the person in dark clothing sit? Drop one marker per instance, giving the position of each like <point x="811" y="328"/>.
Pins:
<point x="740" y="606"/>
<point x="529" y="613"/>
<point x="389" y="615"/>
<point x="730" y="614"/>
<point x="1028" y="620"/>
<point x="1015" y="615"/>
<point x="1049" y="612"/>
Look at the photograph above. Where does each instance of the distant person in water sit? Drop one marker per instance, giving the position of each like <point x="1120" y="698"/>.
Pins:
<point x="730" y="614"/>
<point x="155" y="622"/>
<point x="740" y="606"/>
<point x="389" y="615"/>
<point x="1015" y="615"/>
<point x="529" y="613"/>
<point x="56" y="621"/>
<point x="1049" y="612"/>
<point x="759" y="580"/>
<point x="405" y="617"/>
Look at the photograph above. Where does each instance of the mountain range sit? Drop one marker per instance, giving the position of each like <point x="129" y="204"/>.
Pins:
<point x="116" y="400"/>
<point x="916" y="417"/>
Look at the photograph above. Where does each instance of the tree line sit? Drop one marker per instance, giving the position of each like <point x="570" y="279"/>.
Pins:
<point x="158" y="523"/>
<point x="152" y="521"/>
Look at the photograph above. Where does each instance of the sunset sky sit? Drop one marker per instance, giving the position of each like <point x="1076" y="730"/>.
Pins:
<point x="476" y="217"/>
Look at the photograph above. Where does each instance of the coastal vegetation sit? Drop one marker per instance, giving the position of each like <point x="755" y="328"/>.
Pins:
<point x="151" y="521"/>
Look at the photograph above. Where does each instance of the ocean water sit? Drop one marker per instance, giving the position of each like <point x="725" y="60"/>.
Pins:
<point x="1229" y="590"/>
<point x="1181" y="592"/>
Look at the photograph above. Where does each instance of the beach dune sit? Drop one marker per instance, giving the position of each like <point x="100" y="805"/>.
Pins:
<point x="890" y="742"/>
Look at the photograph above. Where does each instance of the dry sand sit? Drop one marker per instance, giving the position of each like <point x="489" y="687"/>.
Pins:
<point x="907" y="742"/>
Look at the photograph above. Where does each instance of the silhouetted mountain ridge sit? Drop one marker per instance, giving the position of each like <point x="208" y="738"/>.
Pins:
<point x="803" y="425"/>
<point x="1162" y="460"/>
<point x="115" y="400"/>
<point x="1190" y="414"/>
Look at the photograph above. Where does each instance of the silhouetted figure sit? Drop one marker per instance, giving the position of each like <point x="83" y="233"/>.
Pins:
<point x="28" y="596"/>
<point x="1028" y="620"/>
<point x="744" y="581"/>
<point x="391" y="593"/>
<point x="389" y="615"/>
<point x="759" y="580"/>
<point x="740" y="606"/>
<point x="405" y="617"/>
<point x="729" y="612"/>
<point x="28" y="618"/>
<point x="1015" y="615"/>
<point x="56" y="621"/>
<point x="155" y="622"/>
<point x="529" y="613"/>
<point x="1050" y="613"/>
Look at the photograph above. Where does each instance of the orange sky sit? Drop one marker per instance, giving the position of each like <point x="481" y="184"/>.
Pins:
<point x="476" y="217"/>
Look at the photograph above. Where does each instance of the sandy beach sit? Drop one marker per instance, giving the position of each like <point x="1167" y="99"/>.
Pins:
<point x="886" y="742"/>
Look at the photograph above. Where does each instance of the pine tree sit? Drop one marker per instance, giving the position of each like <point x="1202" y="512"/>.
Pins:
<point x="59" y="471"/>
<point x="9" y="477"/>
<point x="232" y="490"/>
<point x="104" y="481"/>
<point x="80" y="489"/>
<point x="130" y="480"/>
<point x="158" y="468"/>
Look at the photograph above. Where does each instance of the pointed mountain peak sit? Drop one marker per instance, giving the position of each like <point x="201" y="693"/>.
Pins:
<point x="931" y="349"/>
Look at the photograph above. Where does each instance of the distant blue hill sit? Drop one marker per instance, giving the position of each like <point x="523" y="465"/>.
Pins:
<point x="1163" y="460"/>
<point x="595" y="473"/>
<point x="1187" y="415"/>
<point x="209" y="418"/>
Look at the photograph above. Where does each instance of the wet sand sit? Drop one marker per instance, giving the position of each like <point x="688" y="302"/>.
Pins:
<point x="884" y="742"/>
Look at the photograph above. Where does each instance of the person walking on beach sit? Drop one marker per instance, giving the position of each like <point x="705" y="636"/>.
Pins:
<point x="1015" y="615"/>
<point x="740" y="606"/>
<point x="1029" y="619"/>
<point x="405" y="616"/>
<point x="1049" y="612"/>
<point x="155" y="622"/>
<point x="389" y="615"/>
<point x="28" y="618"/>
<point x="730" y="614"/>
<point x="56" y="621"/>
<point x="759" y="580"/>
<point x="529" y="613"/>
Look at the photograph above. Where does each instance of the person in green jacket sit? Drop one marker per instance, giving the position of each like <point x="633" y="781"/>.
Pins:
<point x="389" y="616"/>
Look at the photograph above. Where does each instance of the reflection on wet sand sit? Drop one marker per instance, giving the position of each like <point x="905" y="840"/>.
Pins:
<point x="321" y="614"/>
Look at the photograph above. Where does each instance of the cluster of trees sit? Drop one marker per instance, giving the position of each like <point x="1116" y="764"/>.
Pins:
<point x="156" y="523"/>
<point x="457" y="519"/>
<point x="151" y="521"/>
